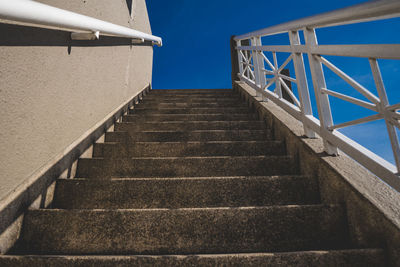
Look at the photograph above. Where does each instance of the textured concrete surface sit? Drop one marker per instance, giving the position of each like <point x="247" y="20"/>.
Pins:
<point x="187" y="136"/>
<point x="373" y="208"/>
<point x="52" y="90"/>
<point x="225" y="110"/>
<point x="171" y="231"/>
<point x="142" y="193"/>
<point x="187" y="149"/>
<point x="185" y="166"/>
<point x="190" y="117"/>
<point x="176" y="104"/>
<point x="333" y="258"/>
<point x="193" y="92"/>
<point x="229" y="206"/>
<point x="189" y="126"/>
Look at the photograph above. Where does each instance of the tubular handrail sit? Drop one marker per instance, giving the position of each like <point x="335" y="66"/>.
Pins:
<point x="380" y="9"/>
<point x="35" y="13"/>
<point x="258" y="70"/>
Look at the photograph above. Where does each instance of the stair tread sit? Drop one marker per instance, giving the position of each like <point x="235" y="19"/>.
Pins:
<point x="185" y="192"/>
<point x="190" y="148"/>
<point x="189" y="177"/>
<point x="185" y="230"/>
<point x="349" y="257"/>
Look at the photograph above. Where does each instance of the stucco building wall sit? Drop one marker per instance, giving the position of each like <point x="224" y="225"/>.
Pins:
<point x="53" y="89"/>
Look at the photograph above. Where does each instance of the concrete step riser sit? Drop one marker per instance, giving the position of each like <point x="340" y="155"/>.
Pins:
<point x="145" y="111"/>
<point x="189" y="126"/>
<point x="189" y="117"/>
<point x="210" y="95"/>
<point x="186" y="167"/>
<point x="222" y="230"/>
<point x="200" y="136"/>
<point x="201" y="95"/>
<point x="191" y="91"/>
<point x="343" y="258"/>
<point x="187" y="149"/>
<point x="233" y="100"/>
<point x="185" y="192"/>
<point x="191" y="105"/>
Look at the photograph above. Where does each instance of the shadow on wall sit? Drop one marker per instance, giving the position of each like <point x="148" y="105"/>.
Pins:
<point x="16" y="35"/>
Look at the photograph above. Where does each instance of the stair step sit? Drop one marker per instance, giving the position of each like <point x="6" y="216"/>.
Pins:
<point x="187" y="136"/>
<point x="343" y="258"/>
<point x="185" y="167"/>
<point x="222" y="110"/>
<point x="145" y="193"/>
<point x="188" y="117"/>
<point x="189" y="126"/>
<point x="232" y="104"/>
<point x="184" y="231"/>
<point x="189" y="100"/>
<point x="191" y="91"/>
<point x="187" y="149"/>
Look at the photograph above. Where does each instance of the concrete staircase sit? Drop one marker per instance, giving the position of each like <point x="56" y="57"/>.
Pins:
<point x="190" y="177"/>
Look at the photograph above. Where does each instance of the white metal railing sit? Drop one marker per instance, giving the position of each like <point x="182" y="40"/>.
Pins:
<point x="259" y="72"/>
<point x="34" y="13"/>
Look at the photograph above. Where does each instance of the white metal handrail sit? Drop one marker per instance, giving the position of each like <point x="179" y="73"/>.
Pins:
<point x="370" y="11"/>
<point x="259" y="72"/>
<point x="35" y="13"/>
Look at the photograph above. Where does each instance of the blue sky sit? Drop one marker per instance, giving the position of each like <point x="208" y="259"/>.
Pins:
<point x="196" y="52"/>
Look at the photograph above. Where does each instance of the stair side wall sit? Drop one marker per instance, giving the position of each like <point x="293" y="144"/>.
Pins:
<point x="372" y="207"/>
<point x="52" y="89"/>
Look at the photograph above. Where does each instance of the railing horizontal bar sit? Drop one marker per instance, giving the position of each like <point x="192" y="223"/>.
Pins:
<point x="357" y="121"/>
<point x="350" y="81"/>
<point x="36" y="13"/>
<point x="287" y="78"/>
<point x="270" y="48"/>
<point x="379" y="51"/>
<point x="268" y="72"/>
<point x="383" y="51"/>
<point x="377" y="165"/>
<point x="369" y="11"/>
<point x="350" y="99"/>
<point x="393" y="107"/>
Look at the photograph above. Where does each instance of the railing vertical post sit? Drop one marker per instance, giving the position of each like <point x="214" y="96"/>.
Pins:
<point x="317" y="73"/>
<point x="302" y="85"/>
<point x="240" y="58"/>
<point x="261" y="67"/>
<point x="234" y="60"/>
<point x="278" y="88"/>
<point x="256" y="66"/>
<point x="384" y="103"/>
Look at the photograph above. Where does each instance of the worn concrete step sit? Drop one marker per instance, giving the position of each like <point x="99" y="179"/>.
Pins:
<point x="223" y="93"/>
<point x="191" y="91"/>
<point x="326" y="258"/>
<point x="184" y="231"/>
<point x="185" y="167"/>
<point x="187" y="136"/>
<point x="189" y="117"/>
<point x="191" y="100"/>
<point x="231" y="104"/>
<point x="187" y="149"/>
<point x="181" y="98"/>
<point x="223" y="110"/>
<point x="198" y="192"/>
<point x="189" y="126"/>
<point x="227" y="93"/>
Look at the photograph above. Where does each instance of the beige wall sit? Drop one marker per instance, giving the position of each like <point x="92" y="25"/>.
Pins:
<point x="51" y="94"/>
